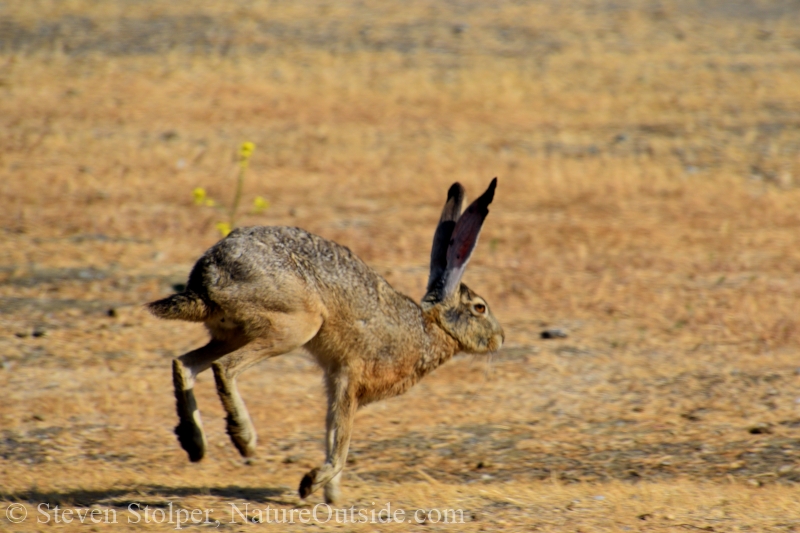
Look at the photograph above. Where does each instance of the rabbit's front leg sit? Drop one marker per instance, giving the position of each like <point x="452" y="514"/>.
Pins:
<point x="342" y="406"/>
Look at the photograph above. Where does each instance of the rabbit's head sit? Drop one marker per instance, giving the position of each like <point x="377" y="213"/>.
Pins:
<point x="457" y="309"/>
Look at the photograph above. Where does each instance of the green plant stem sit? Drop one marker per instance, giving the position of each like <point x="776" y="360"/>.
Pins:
<point x="236" y="199"/>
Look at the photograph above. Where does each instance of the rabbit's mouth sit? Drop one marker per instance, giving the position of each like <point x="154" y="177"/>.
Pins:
<point x="496" y="342"/>
<point x="482" y="345"/>
<point x="490" y="345"/>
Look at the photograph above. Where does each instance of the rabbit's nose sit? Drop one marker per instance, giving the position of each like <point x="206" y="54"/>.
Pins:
<point x="498" y="340"/>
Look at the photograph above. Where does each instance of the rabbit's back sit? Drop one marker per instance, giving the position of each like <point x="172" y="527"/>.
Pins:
<point x="274" y="256"/>
<point x="287" y="269"/>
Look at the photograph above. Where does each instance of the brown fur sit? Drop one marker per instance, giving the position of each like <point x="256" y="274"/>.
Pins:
<point x="287" y="288"/>
<point x="183" y="306"/>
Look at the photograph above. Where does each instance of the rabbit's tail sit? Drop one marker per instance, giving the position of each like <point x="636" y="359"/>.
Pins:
<point x="183" y="306"/>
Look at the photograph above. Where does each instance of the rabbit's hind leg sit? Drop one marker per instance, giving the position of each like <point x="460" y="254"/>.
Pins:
<point x="286" y="332"/>
<point x="239" y="425"/>
<point x="184" y="370"/>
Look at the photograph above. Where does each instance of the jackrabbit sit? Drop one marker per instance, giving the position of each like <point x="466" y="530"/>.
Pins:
<point x="282" y="288"/>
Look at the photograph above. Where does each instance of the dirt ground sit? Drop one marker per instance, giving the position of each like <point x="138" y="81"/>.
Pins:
<point x="648" y="207"/>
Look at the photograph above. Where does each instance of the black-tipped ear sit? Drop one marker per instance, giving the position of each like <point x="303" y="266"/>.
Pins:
<point x="444" y="232"/>
<point x="449" y="258"/>
<point x="465" y="237"/>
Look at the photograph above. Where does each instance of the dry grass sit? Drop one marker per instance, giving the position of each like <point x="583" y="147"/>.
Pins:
<point x="648" y="204"/>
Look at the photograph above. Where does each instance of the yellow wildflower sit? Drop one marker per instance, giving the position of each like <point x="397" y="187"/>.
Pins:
<point x="199" y="195"/>
<point x="224" y="228"/>
<point x="246" y="150"/>
<point x="260" y="204"/>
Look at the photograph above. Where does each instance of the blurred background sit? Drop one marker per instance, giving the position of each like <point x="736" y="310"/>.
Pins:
<point x="648" y="210"/>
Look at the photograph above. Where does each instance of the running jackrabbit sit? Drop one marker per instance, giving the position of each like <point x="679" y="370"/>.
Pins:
<point x="282" y="288"/>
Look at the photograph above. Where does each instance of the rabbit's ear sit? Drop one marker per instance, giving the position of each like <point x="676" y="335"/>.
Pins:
<point x="465" y="236"/>
<point x="444" y="231"/>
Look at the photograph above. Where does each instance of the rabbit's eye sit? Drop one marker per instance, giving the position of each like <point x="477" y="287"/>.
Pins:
<point x="480" y="308"/>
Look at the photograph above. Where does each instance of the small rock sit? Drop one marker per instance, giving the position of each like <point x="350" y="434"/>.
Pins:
<point x="39" y="332"/>
<point x="289" y="459"/>
<point x="112" y="313"/>
<point x="554" y="333"/>
<point x="22" y="334"/>
<point x="38" y="417"/>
